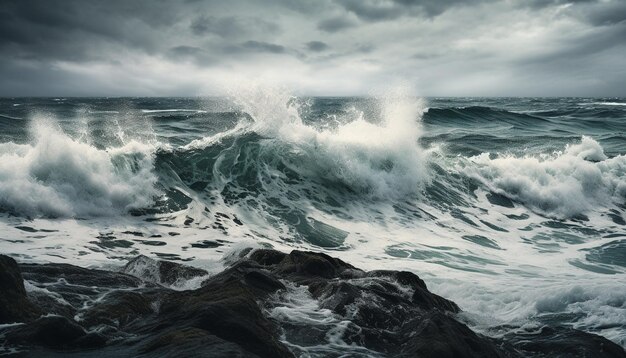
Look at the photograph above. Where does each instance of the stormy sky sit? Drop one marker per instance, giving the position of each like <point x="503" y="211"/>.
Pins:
<point x="313" y="47"/>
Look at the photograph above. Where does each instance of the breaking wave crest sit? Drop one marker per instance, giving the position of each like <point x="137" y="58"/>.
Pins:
<point x="371" y="153"/>
<point x="55" y="175"/>
<point x="562" y="184"/>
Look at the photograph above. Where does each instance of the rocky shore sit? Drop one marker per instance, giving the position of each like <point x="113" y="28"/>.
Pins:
<point x="265" y="304"/>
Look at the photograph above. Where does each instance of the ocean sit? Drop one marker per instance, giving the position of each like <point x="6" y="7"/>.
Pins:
<point x="514" y="208"/>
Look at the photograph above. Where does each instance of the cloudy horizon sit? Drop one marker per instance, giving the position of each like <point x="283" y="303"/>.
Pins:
<point x="326" y="47"/>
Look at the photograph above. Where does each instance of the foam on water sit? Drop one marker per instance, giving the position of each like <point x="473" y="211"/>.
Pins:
<point x="55" y="175"/>
<point x="607" y="103"/>
<point x="513" y="238"/>
<point x="380" y="158"/>
<point x="563" y="184"/>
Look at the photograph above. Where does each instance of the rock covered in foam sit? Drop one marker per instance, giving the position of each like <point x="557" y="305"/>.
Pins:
<point x="388" y="313"/>
<point x="162" y="272"/>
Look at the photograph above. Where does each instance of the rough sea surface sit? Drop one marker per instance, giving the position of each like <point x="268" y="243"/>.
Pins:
<point x="514" y="208"/>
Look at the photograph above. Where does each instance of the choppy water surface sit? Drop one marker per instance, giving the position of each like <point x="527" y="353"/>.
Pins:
<point x="514" y="208"/>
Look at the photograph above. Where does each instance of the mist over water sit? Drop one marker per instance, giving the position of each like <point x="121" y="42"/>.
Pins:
<point x="514" y="208"/>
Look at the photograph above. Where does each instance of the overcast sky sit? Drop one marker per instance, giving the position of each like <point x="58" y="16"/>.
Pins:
<point x="315" y="47"/>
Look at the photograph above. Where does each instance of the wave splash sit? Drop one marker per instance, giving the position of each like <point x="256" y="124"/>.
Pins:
<point x="373" y="154"/>
<point x="562" y="184"/>
<point x="56" y="175"/>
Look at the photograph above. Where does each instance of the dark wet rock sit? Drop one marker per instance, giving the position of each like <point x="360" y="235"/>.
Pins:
<point x="300" y="265"/>
<point x="192" y="342"/>
<point x="402" y="277"/>
<point x="390" y="313"/>
<point x="421" y="296"/>
<point x="267" y="257"/>
<point x="159" y="271"/>
<point x="14" y="303"/>
<point x="439" y="335"/>
<point x="253" y="276"/>
<point x="50" y="273"/>
<point x="564" y="342"/>
<point x="226" y="308"/>
<point x="50" y="331"/>
<point x="119" y="308"/>
<point x="52" y="303"/>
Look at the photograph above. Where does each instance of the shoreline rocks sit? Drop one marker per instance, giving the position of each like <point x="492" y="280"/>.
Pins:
<point x="14" y="303"/>
<point x="68" y="310"/>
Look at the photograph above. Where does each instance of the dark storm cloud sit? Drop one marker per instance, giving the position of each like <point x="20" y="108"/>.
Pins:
<point x="317" y="46"/>
<point x="260" y="46"/>
<point x="604" y="14"/>
<point x="382" y="10"/>
<point x="231" y="27"/>
<point x="448" y="47"/>
<point x="75" y="30"/>
<point x="538" y="4"/>
<point x="335" y="24"/>
<point x="372" y="10"/>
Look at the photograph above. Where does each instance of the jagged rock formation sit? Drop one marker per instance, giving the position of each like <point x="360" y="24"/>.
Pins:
<point x="70" y="310"/>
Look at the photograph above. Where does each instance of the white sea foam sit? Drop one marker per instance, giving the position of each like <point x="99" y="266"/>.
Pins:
<point x="380" y="158"/>
<point x="56" y="175"/>
<point x="171" y="110"/>
<point x="562" y="184"/>
<point x="605" y="103"/>
<point x="599" y="306"/>
<point x="527" y="276"/>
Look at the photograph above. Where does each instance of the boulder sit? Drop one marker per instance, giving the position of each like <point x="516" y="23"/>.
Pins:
<point x="439" y="335"/>
<point x="383" y="312"/>
<point x="119" y="308"/>
<point x="51" y="273"/>
<point x="14" y="303"/>
<point x="48" y="331"/>
<point x="160" y="271"/>
<point x="192" y="342"/>
<point x="226" y="308"/>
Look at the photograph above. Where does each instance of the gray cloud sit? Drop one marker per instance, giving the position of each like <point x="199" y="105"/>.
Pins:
<point x="197" y="55"/>
<point x="190" y="47"/>
<point x="382" y="10"/>
<point x="335" y="24"/>
<point x="317" y="46"/>
<point x="231" y="27"/>
<point x="260" y="46"/>
<point x="539" y="4"/>
<point x="605" y="14"/>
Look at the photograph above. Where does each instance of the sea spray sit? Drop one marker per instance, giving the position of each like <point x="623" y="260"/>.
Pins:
<point x="564" y="184"/>
<point x="56" y="175"/>
<point x="376" y="154"/>
<point x="236" y="175"/>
